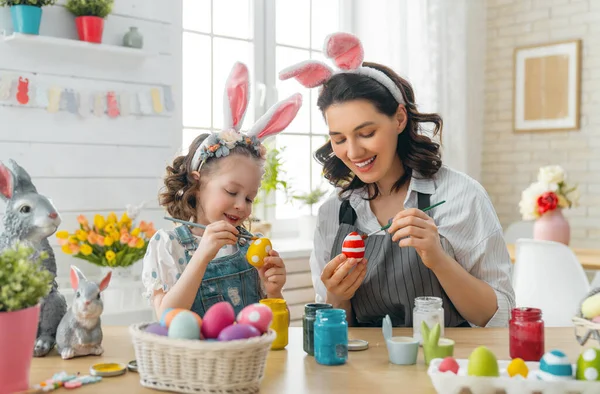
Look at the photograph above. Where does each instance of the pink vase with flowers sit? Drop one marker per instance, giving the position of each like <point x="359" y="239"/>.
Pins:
<point x="552" y="226"/>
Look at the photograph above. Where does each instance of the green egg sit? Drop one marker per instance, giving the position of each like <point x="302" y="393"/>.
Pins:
<point x="588" y="365"/>
<point x="482" y="362"/>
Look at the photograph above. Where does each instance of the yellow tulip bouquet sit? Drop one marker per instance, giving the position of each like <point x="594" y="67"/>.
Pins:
<point x="108" y="242"/>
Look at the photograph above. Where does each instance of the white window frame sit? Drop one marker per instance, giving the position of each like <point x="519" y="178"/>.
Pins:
<point x="264" y="91"/>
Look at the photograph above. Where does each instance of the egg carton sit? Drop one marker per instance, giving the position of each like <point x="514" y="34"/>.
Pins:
<point x="449" y="383"/>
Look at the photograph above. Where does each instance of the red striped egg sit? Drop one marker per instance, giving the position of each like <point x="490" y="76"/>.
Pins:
<point x="353" y="246"/>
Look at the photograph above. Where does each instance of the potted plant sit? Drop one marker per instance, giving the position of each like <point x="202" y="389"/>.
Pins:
<point x="26" y="15"/>
<point x="109" y="242"/>
<point x="271" y="182"/>
<point x="89" y="17"/>
<point x="23" y="283"/>
<point x="544" y="200"/>
<point x="308" y="223"/>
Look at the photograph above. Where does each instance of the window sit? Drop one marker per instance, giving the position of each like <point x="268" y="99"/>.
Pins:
<point x="268" y="36"/>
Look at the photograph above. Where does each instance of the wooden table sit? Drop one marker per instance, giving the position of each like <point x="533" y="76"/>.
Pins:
<point x="589" y="258"/>
<point x="292" y="371"/>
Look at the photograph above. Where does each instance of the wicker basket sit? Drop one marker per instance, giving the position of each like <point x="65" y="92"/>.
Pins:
<point x="586" y="329"/>
<point x="193" y="366"/>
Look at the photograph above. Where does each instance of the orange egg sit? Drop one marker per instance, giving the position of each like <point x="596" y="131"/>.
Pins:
<point x="170" y="314"/>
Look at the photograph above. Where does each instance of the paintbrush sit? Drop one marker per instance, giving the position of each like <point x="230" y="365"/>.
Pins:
<point x="250" y="237"/>
<point x="365" y="236"/>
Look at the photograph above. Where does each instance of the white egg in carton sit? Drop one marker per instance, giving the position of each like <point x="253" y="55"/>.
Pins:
<point x="449" y="383"/>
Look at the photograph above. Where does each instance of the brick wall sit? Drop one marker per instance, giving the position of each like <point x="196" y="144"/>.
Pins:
<point x="510" y="161"/>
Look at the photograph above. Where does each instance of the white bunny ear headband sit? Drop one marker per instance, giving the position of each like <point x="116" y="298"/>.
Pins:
<point x="347" y="53"/>
<point x="237" y="94"/>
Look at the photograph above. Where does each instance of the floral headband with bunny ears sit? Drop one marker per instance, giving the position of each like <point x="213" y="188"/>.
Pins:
<point x="237" y="95"/>
<point x="347" y="53"/>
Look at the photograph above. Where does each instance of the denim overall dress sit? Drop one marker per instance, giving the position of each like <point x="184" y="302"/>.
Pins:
<point x="229" y="278"/>
<point x="395" y="277"/>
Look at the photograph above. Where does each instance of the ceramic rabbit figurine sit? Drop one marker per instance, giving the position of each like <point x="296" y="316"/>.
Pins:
<point x="31" y="218"/>
<point x="433" y="345"/>
<point x="80" y="332"/>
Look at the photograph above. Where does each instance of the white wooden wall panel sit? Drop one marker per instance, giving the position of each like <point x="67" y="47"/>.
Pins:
<point x="96" y="165"/>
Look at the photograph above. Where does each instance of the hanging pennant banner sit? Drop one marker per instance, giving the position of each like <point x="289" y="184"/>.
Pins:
<point x="70" y="98"/>
<point x="84" y="104"/>
<point x="112" y="105"/>
<point x="23" y="91"/>
<point x="98" y="104"/>
<point x="156" y="100"/>
<point x="54" y="95"/>
<point x="5" y="87"/>
<point x="145" y="102"/>
<point x="41" y="96"/>
<point x="168" y="95"/>
<point x="125" y="103"/>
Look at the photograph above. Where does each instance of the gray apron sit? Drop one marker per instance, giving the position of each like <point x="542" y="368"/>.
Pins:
<point x="395" y="277"/>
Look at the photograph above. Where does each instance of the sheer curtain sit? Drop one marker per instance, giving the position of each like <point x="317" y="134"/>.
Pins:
<point x="439" y="46"/>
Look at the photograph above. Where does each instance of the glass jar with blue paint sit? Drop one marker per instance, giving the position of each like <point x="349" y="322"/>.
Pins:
<point x="331" y="337"/>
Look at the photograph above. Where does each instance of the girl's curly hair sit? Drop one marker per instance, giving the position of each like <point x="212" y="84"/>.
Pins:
<point x="179" y="194"/>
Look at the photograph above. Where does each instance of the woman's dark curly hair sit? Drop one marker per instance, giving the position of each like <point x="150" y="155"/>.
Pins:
<point x="179" y="193"/>
<point x="416" y="151"/>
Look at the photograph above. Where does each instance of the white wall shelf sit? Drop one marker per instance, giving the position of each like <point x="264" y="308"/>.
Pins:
<point x="80" y="48"/>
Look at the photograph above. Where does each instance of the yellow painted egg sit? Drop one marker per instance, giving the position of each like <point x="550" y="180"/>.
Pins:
<point x="257" y="251"/>
<point x="517" y="367"/>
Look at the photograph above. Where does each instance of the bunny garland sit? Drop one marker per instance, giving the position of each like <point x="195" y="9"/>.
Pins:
<point x="237" y="95"/>
<point x="347" y="53"/>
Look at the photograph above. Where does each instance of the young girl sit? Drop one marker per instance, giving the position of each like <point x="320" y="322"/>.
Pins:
<point x="384" y="167"/>
<point x="214" y="185"/>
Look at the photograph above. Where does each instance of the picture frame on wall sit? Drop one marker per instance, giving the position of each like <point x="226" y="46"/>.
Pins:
<point x="547" y="87"/>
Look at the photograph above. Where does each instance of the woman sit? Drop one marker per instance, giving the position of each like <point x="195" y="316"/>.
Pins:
<point x="383" y="167"/>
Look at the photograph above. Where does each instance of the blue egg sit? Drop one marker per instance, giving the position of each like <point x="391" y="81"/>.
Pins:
<point x="555" y="365"/>
<point x="164" y="314"/>
<point x="184" y="326"/>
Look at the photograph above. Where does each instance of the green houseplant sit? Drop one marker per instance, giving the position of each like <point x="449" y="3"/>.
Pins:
<point x="272" y="180"/>
<point x="26" y="15"/>
<point x="308" y="223"/>
<point x="23" y="283"/>
<point x="89" y="17"/>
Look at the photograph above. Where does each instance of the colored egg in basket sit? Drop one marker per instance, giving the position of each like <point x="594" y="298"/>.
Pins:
<point x="157" y="328"/>
<point x="216" y="318"/>
<point x="257" y="251"/>
<point x="257" y="315"/>
<point x="170" y="313"/>
<point x="185" y="325"/>
<point x="238" y="331"/>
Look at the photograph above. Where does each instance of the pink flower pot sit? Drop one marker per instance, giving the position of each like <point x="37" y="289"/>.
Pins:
<point x="17" y="339"/>
<point x="552" y="226"/>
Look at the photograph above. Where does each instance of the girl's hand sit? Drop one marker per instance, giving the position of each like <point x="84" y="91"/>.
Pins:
<point x="339" y="281"/>
<point x="273" y="275"/>
<point x="412" y="227"/>
<point x="216" y="235"/>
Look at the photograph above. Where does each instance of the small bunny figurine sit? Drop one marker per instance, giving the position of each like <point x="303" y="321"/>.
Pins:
<point x="31" y="218"/>
<point x="79" y="332"/>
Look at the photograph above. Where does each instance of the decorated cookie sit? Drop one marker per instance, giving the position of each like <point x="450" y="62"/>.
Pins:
<point x="354" y="246"/>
